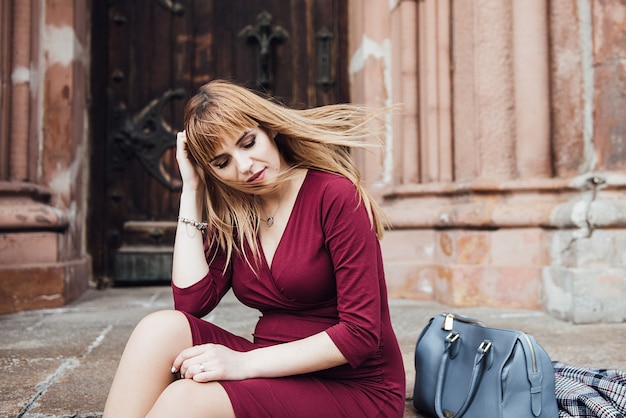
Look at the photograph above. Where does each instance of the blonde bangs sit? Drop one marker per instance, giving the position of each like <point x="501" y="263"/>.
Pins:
<point x="207" y="133"/>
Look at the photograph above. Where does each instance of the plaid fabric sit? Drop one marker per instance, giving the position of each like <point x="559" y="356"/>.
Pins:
<point x="592" y="393"/>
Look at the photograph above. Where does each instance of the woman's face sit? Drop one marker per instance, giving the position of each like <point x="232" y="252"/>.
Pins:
<point x="251" y="157"/>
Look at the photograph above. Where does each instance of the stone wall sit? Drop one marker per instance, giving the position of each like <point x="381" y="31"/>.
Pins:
<point x="504" y="173"/>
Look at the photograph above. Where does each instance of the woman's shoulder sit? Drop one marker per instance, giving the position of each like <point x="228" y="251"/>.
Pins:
<point x="331" y="186"/>
<point x="331" y="181"/>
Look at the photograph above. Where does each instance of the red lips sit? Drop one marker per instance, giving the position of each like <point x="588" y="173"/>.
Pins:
<point x="259" y="175"/>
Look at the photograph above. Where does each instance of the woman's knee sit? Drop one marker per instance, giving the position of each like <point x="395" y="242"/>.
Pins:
<point x="168" y="317"/>
<point x="169" y="325"/>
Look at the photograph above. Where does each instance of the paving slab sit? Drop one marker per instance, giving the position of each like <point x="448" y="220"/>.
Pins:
<point x="60" y="362"/>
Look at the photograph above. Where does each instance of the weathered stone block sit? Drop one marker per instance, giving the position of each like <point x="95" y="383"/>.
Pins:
<point x="409" y="259"/>
<point x="40" y="286"/>
<point x="588" y="249"/>
<point x="585" y="295"/>
<point x="495" y="286"/>
<point x="410" y="280"/>
<point x="415" y="245"/>
<point x="473" y="247"/>
<point x="519" y="246"/>
<point x="28" y="247"/>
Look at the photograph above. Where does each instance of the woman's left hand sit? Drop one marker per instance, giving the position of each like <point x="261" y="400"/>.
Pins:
<point x="210" y="362"/>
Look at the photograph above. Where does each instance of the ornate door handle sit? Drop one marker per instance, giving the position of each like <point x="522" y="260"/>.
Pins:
<point x="265" y="35"/>
<point x="324" y="75"/>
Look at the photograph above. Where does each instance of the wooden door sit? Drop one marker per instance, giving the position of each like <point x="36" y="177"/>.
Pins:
<point x="148" y="58"/>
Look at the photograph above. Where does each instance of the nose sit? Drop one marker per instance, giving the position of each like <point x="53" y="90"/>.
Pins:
<point x="244" y="163"/>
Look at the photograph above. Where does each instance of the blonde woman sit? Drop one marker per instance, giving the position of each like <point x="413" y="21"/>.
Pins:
<point x="292" y="232"/>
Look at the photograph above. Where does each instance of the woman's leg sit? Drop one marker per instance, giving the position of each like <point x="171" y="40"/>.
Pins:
<point x="144" y="369"/>
<point x="190" y="399"/>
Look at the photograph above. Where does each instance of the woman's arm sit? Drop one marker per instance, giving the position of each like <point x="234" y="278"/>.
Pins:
<point x="311" y="354"/>
<point x="317" y="352"/>
<point x="189" y="263"/>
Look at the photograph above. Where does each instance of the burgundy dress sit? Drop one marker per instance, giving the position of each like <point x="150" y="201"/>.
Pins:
<point x="326" y="275"/>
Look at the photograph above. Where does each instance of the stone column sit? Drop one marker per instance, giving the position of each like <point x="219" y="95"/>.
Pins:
<point x="20" y="90"/>
<point x="371" y="83"/>
<point x="435" y="130"/>
<point x="43" y="262"/>
<point x="531" y="86"/>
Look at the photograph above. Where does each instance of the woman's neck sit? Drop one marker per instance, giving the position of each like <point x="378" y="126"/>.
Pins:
<point x="271" y="202"/>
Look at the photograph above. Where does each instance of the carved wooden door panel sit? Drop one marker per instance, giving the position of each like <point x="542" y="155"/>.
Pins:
<point x="148" y="58"/>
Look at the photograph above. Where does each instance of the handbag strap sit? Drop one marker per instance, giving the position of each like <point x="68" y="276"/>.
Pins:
<point x="477" y="373"/>
<point x="533" y="371"/>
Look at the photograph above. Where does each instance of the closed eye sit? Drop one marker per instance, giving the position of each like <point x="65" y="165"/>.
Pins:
<point x="220" y="163"/>
<point x="246" y="140"/>
<point x="250" y="142"/>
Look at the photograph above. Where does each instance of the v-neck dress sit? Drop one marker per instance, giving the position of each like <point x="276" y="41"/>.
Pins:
<point x="326" y="275"/>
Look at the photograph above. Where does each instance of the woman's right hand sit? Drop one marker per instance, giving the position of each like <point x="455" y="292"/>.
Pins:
<point x="188" y="172"/>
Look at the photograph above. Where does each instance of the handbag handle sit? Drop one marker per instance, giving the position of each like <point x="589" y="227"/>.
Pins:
<point x="480" y="361"/>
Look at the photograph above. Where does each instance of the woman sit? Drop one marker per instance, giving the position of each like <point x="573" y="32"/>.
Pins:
<point x="293" y="233"/>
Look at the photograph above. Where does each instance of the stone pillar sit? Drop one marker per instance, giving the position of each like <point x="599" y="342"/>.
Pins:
<point x="434" y="96"/>
<point x="405" y="68"/>
<point x="531" y="87"/>
<point x="43" y="261"/>
<point x="371" y="81"/>
<point x="20" y="90"/>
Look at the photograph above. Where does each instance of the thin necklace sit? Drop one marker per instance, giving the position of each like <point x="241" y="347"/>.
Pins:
<point x="269" y="221"/>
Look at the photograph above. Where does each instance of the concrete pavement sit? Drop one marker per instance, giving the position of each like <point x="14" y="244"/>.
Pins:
<point x="60" y="362"/>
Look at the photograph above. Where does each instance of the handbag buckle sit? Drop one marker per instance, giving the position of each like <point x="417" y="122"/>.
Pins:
<point x="485" y="346"/>
<point x="451" y="344"/>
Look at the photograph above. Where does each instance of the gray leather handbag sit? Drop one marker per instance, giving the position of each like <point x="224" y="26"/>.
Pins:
<point x="465" y="369"/>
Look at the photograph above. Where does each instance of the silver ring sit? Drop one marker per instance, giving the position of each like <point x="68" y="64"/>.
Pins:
<point x="202" y="368"/>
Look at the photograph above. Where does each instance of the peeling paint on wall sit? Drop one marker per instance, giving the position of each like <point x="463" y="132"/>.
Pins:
<point x="393" y="4"/>
<point x="56" y="41"/>
<point x="60" y="183"/>
<point x="380" y="52"/>
<point x="429" y="250"/>
<point x="20" y="75"/>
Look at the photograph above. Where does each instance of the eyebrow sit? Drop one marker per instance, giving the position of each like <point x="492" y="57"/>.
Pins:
<point x="241" y="138"/>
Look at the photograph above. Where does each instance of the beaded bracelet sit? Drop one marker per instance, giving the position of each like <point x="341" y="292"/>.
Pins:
<point x="200" y="226"/>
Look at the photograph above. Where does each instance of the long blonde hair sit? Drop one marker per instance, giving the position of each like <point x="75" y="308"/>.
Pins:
<point x="317" y="138"/>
